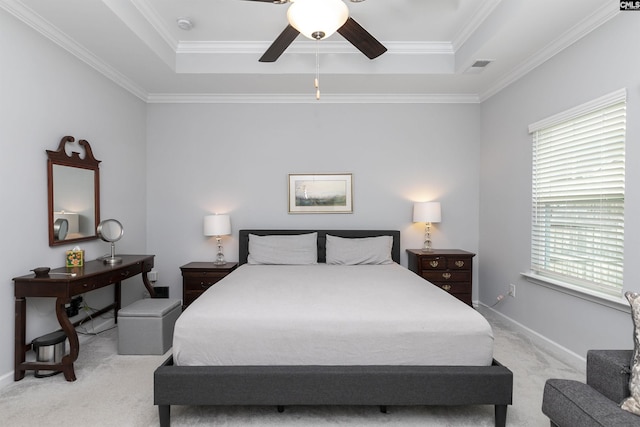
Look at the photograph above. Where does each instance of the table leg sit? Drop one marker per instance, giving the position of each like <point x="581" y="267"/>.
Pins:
<point x="20" y="338"/>
<point x="118" y="299"/>
<point x="72" y="336"/>
<point x="147" y="284"/>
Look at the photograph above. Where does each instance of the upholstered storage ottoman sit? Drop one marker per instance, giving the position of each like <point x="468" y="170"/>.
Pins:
<point x="146" y="326"/>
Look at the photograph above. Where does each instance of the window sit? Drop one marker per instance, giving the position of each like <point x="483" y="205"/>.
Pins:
<point x="577" y="230"/>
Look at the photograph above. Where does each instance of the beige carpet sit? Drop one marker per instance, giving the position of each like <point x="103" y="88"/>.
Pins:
<point x="114" y="390"/>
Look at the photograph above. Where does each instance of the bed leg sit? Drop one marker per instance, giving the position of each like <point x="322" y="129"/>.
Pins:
<point x="164" y="413"/>
<point x="280" y="408"/>
<point x="383" y="409"/>
<point x="501" y="415"/>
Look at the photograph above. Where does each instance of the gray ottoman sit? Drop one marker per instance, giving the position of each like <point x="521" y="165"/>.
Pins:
<point x="146" y="326"/>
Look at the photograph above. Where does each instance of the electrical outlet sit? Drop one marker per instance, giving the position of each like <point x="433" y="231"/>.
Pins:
<point x="152" y="276"/>
<point x="512" y="290"/>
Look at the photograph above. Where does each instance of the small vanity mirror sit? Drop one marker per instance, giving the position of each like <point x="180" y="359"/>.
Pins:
<point x="74" y="192"/>
<point x="110" y="230"/>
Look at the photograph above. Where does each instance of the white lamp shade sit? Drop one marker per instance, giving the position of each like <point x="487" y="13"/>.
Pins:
<point x="217" y="225"/>
<point x="73" y="219"/>
<point x="311" y="16"/>
<point x="427" y="212"/>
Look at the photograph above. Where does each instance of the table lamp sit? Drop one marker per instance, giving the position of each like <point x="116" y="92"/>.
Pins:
<point x="427" y="212"/>
<point x="218" y="226"/>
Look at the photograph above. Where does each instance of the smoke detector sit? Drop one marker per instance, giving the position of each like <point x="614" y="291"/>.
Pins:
<point x="184" y="24"/>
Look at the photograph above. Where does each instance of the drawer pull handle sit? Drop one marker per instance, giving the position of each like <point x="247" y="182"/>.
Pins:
<point x="205" y="285"/>
<point x="459" y="264"/>
<point x="124" y="273"/>
<point x="434" y="263"/>
<point x="446" y="287"/>
<point x="446" y="275"/>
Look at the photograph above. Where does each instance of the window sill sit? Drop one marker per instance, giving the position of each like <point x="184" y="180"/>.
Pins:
<point x="617" y="303"/>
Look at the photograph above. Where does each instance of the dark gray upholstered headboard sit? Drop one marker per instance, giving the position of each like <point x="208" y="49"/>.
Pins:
<point x="244" y="240"/>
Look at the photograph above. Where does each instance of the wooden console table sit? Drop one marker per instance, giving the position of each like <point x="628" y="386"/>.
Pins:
<point x="63" y="284"/>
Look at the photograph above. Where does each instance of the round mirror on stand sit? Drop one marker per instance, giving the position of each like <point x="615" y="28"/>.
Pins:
<point x="110" y="230"/>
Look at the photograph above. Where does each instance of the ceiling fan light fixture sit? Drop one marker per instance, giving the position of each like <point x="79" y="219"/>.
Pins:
<point x="317" y="19"/>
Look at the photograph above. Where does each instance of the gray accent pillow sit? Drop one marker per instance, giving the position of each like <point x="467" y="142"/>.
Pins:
<point x="356" y="251"/>
<point x="295" y="249"/>
<point x="632" y="403"/>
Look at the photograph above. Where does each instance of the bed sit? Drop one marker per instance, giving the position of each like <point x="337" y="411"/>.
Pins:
<point x="361" y="372"/>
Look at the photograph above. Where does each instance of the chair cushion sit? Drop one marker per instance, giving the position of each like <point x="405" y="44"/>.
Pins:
<point x="570" y="403"/>
<point x="632" y="403"/>
<point x="608" y="372"/>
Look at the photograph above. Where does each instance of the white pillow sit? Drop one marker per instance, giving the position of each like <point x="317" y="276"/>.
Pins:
<point x="366" y="250"/>
<point x="283" y="249"/>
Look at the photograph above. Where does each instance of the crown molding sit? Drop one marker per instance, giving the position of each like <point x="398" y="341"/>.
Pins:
<point x="484" y="11"/>
<point x="571" y="36"/>
<point x="169" y="98"/>
<point x="308" y="47"/>
<point x="35" y="21"/>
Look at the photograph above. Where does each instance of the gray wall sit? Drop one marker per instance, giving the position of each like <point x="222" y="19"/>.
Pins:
<point x="599" y="64"/>
<point x="46" y="94"/>
<point x="235" y="159"/>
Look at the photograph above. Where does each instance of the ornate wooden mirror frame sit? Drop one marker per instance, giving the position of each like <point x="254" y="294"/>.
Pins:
<point x="73" y="183"/>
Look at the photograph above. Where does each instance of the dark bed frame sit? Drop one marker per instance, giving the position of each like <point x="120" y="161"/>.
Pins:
<point x="331" y="385"/>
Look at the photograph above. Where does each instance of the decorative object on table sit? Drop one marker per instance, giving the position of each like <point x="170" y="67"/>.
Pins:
<point x="217" y="226"/>
<point x="110" y="230"/>
<point x="321" y="193"/>
<point x="427" y="212"/>
<point x="41" y="271"/>
<point x="74" y="257"/>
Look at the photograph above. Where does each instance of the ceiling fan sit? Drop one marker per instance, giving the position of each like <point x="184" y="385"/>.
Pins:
<point x="317" y="20"/>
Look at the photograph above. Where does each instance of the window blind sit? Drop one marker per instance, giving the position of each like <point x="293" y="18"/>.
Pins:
<point x="578" y="196"/>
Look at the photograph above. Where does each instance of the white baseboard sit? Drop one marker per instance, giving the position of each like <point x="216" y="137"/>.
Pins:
<point x="569" y="357"/>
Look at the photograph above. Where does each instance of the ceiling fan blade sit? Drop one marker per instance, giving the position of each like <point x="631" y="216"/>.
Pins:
<point x="360" y="38"/>
<point x="280" y="44"/>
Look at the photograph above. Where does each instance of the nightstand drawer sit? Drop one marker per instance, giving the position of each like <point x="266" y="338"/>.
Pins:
<point x="448" y="262"/>
<point x="454" y="263"/>
<point x="448" y="269"/>
<point x="455" y="288"/>
<point x="433" y="262"/>
<point x="201" y="283"/>
<point x="197" y="277"/>
<point x="447" y="276"/>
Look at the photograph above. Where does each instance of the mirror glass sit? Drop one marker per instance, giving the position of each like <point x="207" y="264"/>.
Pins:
<point x="110" y="230"/>
<point x="74" y="197"/>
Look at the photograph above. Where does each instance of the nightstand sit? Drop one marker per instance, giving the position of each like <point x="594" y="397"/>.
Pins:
<point x="197" y="277"/>
<point x="449" y="269"/>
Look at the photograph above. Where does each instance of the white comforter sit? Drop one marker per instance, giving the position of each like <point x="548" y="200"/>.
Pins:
<point x="329" y="315"/>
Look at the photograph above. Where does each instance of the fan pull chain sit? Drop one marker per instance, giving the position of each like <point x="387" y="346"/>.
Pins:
<point x="317" y="80"/>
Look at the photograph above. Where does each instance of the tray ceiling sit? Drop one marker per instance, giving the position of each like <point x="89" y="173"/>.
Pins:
<point x="432" y="45"/>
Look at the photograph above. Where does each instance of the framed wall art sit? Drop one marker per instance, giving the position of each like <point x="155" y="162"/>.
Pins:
<point x="321" y="193"/>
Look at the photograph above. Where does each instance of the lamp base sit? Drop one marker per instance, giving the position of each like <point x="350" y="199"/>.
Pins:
<point x="112" y="260"/>
<point x="219" y="256"/>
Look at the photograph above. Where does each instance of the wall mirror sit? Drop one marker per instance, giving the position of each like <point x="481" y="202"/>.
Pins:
<point x="73" y="182"/>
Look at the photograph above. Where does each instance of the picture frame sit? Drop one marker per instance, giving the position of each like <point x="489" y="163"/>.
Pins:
<point x="321" y="193"/>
